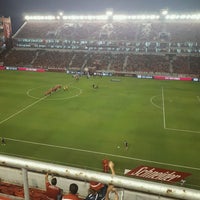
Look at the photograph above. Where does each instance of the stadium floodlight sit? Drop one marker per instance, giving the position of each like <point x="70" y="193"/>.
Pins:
<point x="120" y="17"/>
<point x="135" y="17"/>
<point x="61" y="13"/>
<point x="101" y="17"/>
<point x="183" y="17"/>
<point x="196" y="16"/>
<point x="40" y="17"/>
<point x="164" y="12"/>
<point x="171" y="17"/>
<point x="85" y="17"/>
<point x="154" y="17"/>
<point x="109" y="12"/>
<point x="26" y="17"/>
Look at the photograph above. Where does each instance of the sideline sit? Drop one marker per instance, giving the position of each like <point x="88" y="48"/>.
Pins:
<point x="102" y="153"/>
<point x="164" y="118"/>
<point x="18" y="112"/>
<point x="163" y="106"/>
<point x="182" y="130"/>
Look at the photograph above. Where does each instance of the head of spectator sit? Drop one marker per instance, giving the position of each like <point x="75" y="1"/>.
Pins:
<point x="54" y="181"/>
<point x="73" y="193"/>
<point x="73" y="188"/>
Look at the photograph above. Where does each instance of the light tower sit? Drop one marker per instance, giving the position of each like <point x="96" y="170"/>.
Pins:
<point x="109" y="14"/>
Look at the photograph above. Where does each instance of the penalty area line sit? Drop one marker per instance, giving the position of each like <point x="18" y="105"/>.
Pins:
<point x="102" y="153"/>
<point x="18" y="112"/>
<point x="182" y="130"/>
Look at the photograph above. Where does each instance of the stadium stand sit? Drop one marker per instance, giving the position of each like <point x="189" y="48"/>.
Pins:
<point x="19" y="58"/>
<point x="13" y="191"/>
<point x="77" y="61"/>
<point x="150" y="47"/>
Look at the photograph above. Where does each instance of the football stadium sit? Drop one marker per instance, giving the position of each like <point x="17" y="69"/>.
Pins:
<point x="77" y="90"/>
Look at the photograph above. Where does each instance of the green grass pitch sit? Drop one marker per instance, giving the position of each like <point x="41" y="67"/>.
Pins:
<point x="82" y="125"/>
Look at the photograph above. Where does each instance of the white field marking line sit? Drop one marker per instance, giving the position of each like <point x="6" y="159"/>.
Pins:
<point x="152" y="98"/>
<point x="101" y="153"/>
<point x="70" y="97"/>
<point x="182" y="130"/>
<point x="54" y="99"/>
<point x="163" y="108"/>
<point x="51" y="161"/>
<point x="18" y="112"/>
<point x="174" y="129"/>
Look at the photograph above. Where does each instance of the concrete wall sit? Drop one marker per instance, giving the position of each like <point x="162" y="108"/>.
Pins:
<point x="37" y="180"/>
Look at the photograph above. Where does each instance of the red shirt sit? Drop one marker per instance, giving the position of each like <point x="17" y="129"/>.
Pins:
<point x="71" y="197"/>
<point x="52" y="191"/>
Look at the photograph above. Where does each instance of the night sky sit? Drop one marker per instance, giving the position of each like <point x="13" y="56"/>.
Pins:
<point x="16" y="9"/>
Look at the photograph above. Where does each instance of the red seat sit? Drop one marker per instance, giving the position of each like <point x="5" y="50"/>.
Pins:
<point x="4" y="198"/>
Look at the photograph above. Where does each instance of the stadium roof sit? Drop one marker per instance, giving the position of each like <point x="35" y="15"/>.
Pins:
<point x="17" y="10"/>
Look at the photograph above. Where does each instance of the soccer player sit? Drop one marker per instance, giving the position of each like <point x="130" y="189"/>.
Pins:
<point x="65" y="88"/>
<point x="126" y="145"/>
<point x="3" y="142"/>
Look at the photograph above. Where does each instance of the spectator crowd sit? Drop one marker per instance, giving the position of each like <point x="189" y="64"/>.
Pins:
<point x="152" y="47"/>
<point x="105" y="61"/>
<point x="96" y="190"/>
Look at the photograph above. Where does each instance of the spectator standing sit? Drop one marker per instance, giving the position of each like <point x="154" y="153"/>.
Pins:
<point x="105" y="164"/>
<point x="53" y="192"/>
<point x="110" y="190"/>
<point x="126" y="145"/>
<point x="73" y="193"/>
<point x="99" y="191"/>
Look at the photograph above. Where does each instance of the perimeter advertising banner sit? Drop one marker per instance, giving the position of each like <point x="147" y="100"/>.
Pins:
<point x="157" y="174"/>
<point x="2" y="67"/>
<point x="31" y="69"/>
<point x="173" y="78"/>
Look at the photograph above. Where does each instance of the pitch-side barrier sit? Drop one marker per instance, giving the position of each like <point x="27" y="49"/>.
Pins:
<point x="149" y="187"/>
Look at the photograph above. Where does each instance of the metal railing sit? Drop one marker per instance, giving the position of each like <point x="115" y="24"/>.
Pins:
<point x="149" y="187"/>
